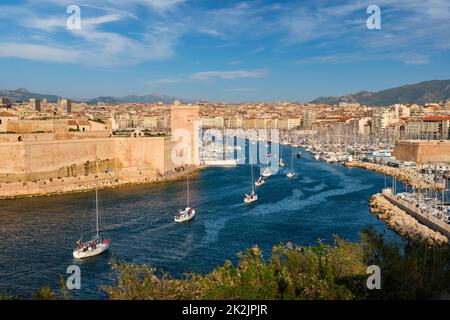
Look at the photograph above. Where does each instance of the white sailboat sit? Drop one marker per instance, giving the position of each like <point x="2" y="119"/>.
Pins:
<point x="291" y="172"/>
<point x="267" y="172"/>
<point x="252" y="197"/>
<point x="281" y="163"/>
<point x="188" y="213"/>
<point x="259" y="182"/>
<point x="95" y="246"/>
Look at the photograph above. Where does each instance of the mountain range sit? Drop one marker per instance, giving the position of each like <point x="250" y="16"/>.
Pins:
<point x="24" y="95"/>
<point x="419" y="93"/>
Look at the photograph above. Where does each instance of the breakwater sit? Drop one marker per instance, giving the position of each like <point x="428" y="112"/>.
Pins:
<point x="407" y="176"/>
<point x="402" y="222"/>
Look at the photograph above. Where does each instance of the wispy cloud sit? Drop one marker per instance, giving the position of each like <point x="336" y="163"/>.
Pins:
<point x="209" y="75"/>
<point x="352" y="57"/>
<point x="38" y="52"/>
<point x="403" y="36"/>
<point x="229" y="75"/>
<point x="92" y="44"/>
<point x="160" y="26"/>
<point x="163" y="81"/>
<point x="257" y="50"/>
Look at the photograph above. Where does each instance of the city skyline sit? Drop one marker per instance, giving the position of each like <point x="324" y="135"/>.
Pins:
<point x="229" y="51"/>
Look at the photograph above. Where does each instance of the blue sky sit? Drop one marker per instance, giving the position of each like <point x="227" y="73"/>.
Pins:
<point x="222" y="50"/>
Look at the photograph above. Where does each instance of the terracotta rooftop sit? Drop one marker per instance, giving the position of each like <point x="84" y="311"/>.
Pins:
<point x="435" y="118"/>
<point x="7" y="114"/>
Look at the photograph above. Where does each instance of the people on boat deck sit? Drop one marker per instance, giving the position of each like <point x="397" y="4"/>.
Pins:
<point x="251" y="196"/>
<point x="92" y="245"/>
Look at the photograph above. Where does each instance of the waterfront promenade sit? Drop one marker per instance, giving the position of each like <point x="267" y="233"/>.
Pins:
<point x="406" y="220"/>
<point x="88" y="183"/>
<point x="428" y="220"/>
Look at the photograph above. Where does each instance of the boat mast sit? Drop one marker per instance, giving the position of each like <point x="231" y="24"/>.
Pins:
<point x="96" y="203"/>
<point x="96" y="191"/>
<point x="250" y="159"/>
<point x="292" y="158"/>
<point x="253" y="183"/>
<point x="187" y="185"/>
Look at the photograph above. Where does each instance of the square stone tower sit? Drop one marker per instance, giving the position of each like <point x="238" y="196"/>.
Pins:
<point x="186" y="116"/>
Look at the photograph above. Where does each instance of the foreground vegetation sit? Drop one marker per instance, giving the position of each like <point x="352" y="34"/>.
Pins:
<point x="337" y="271"/>
<point x="323" y="271"/>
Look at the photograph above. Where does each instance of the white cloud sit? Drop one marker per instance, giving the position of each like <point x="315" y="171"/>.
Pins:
<point x="352" y="57"/>
<point x="37" y="52"/>
<point x="229" y="75"/>
<point x="314" y="24"/>
<point x="163" y="81"/>
<point x="90" y="45"/>
<point x="403" y="36"/>
<point x="209" y="75"/>
<point x="257" y="50"/>
<point x="160" y="5"/>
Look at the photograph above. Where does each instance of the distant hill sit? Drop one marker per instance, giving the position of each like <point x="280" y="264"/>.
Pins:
<point x="135" y="99"/>
<point x="24" y="95"/>
<point x="420" y="93"/>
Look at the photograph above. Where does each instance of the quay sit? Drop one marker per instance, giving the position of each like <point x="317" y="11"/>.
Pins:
<point x="407" y="176"/>
<point x="427" y="220"/>
<point x="407" y="220"/>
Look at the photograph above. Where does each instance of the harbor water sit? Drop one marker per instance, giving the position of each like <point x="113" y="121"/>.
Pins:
<point x="37" y="235"/>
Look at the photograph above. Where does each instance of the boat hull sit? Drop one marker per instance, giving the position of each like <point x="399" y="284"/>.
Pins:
<point x="266" y="173"/>
<point x="251" y="200"/>
<point x="101" y="248"/>
<point x="184" y="217"/>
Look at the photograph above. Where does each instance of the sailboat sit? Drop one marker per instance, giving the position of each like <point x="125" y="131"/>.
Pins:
<point x="188" y="213"/>
<point x="95" y="246"/>
<point x="291" y="172"/>
<point x="259" y="182"/>
<point x="281" y="163"/>
<point x="267" y="172"/>
<point x="252" y="197"/>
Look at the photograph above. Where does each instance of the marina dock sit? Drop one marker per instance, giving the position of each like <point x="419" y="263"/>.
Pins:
<point x="425" y="219"/>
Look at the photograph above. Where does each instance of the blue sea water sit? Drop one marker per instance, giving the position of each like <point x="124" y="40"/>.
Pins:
<point x="37" y="235"/>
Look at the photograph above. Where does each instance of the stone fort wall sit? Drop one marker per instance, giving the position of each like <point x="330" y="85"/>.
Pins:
<point x="423" y="151"/>
<point x="33" y="159"/>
